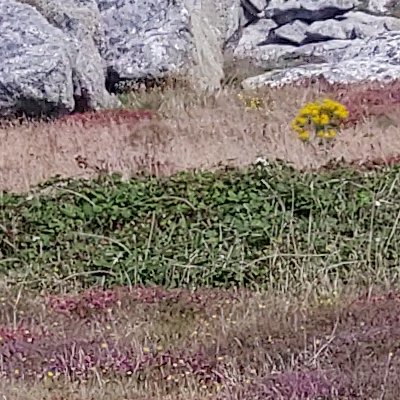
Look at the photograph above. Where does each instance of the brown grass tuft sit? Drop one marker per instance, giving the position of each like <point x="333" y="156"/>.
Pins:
<point x="100" y="119"/>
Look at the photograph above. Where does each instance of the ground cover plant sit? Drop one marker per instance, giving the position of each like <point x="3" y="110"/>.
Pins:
<point x="248" y="227"/>
<point x="205" y="275"/>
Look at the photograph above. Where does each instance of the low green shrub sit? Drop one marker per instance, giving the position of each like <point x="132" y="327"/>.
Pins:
<point x="259" y="226"/>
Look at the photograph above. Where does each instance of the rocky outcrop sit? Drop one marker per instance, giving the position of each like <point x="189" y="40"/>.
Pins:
<point x="212" y="25"/>
<point x="149" y="39"/>
<point x="35" y="67"/>
<point x="100" y="44"/>
<point x="381" y="68"/>
<point x="51" y="63"/>
<point x="80" y="23"/>
<point x="145" y="39"/>
<point x="304" y="39"/>
<point x="60" y="56"/>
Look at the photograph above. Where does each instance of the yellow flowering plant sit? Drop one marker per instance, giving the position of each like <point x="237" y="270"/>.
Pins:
<point x="325" y="116"/>
<point x="251" y="103"/>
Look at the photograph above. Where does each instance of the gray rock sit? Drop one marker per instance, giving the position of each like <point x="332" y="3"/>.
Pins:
<point x="380" y="7"/>
<point x="80" y="22"/>
<point x="270" y="45"/>
<point x="331" y="51"/>
<point x="377" y="7"/>
<point x="252" y="10"/>
<point x="251" y="47"/>
<point x="286" y="11"/>
<point x="145" y="39"/>
<point x="60" y="55"/>
<point x="353" y="25"/>
<point x="35" y="69"/>
<point x="384" y="45"/>
<point x="285" y="56"/>
<point x="256" y="6"/>
<point x="332" y="30"/>
<point x="377" y="59"/>
<point x="348" y="71"/>
<point x="295" y="33"/>
<point x="213" y="23"/>
<point x="393" y="7"/>
<point x="248" y="44"/>
<point x="149" y="39"/>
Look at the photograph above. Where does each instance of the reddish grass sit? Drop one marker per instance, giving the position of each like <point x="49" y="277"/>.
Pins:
<point x="249" y="346"/>
<point x="104" y="118"/>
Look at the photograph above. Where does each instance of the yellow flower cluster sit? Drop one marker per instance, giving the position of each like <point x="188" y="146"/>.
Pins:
<point x="325" y="117"/>
<point x="251" y="103"/>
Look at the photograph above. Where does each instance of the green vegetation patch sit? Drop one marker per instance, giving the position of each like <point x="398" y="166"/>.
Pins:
<point x="258" y="227"/>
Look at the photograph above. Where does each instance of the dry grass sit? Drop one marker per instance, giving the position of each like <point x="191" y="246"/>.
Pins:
<point x="215" y="344"/>
<point x="192" y="131"/>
